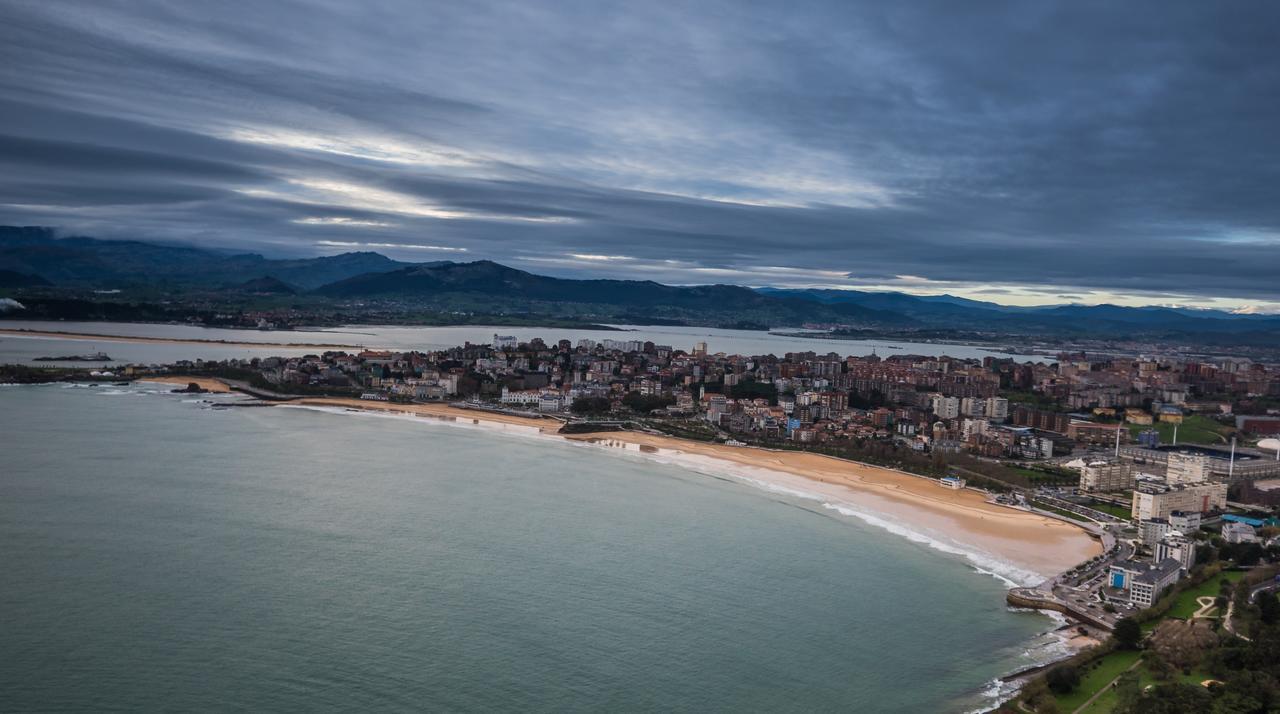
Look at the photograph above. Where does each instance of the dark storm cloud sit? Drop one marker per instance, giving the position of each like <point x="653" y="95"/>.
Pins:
<point x="1045" y="145"/>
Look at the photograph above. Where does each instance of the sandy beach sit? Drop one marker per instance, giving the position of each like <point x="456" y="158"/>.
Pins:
<point x="163" y="340"/>
<point x="1041" y="545"/>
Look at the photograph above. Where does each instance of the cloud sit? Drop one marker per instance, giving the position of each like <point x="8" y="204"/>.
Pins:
<point x="1036" y="148"/>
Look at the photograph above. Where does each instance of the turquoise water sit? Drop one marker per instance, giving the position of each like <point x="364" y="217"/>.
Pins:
<point x="160" y="554"/>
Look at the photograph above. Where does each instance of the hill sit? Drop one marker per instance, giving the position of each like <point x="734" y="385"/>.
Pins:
<point x="93" y="263"/>
<point x="512" y="289"/>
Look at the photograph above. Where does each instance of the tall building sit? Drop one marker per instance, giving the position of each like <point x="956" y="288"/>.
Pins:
<point x="1156" y="500"/>
<point x="1105" y="477"/>
<point x="1176" y="546"/>
<point x="1187" y="468"/>
<point x="945" y="407"/>
<point x="997" y="408"/>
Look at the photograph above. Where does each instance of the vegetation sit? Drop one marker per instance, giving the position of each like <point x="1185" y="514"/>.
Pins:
<point x="1184" y="604"/>
<point x="590" y="406"/>
<point x="637" y="402"/>
<point x="1096" y="675"/>
<point x="1127" y="633"/>
<point x="1118" y="511"/>
<point x="1194" y="429"/>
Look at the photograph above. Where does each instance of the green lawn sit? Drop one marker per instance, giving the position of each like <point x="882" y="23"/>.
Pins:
<point x="1108" y="700"/>
<point x="1185" y="606"/>
<point x="1195" y="429"/>
<point x="1101" y="674"/>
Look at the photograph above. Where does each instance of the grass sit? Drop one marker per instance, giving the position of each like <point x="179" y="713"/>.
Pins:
<point x="1185" y="606"/>
<point x="1038" y="477"/>
<point x="1194" y="429"/>
<point x="1100" y="675"/>
<point x="1108" y="699"/>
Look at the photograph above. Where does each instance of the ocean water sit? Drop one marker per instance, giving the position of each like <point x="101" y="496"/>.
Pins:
<point x="159" y="553"/>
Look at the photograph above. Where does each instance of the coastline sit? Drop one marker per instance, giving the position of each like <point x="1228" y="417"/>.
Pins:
<point x="53" y="334"/>
<point x="1034" y="545"/>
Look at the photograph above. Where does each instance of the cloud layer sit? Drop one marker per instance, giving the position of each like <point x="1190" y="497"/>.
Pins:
<point x="1037" y="149"/>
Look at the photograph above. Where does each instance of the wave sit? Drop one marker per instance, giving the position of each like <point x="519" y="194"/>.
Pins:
<point x="795" y="486"/>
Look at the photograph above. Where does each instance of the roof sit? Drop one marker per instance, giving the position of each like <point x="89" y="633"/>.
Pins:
<point x="1233" y="518"/>
<point x="1159" y="571"/>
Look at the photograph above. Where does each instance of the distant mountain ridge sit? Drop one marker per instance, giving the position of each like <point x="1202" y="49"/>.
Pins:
<point x="487" y="278"/>
<point x="35" y="259"/>
<point x="90" y="262"/>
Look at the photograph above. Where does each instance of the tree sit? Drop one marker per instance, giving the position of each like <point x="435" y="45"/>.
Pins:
<point x="1063" y="679"/>
<point x="1127" y="633"/>
<point x="1269" y="608"/>
<point x="590" y="405"/>
<point x="1169" y="699"/>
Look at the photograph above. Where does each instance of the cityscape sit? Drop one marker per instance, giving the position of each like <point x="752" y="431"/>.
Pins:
<point x="836" y="356"/>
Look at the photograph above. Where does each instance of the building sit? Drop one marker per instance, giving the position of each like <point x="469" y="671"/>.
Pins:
<point x="1185" y="521"/>
<point x="1249" y="464"/>
<point x="1258" y="424"/>
<point x="945" y="407"/>
<point x="1187" y="468"/>
<point x="1141" y="583"/>
<point x="1176" y="546"/>
<point x="1159" y="500"/>
<point x="997" y="408"/>
<point x="1152" y="530"/>
<point x="1105" y="477"/>
<point x="1239" y="533"/>
<point x="1090" y="432"/>
<point x="505" y="342"/>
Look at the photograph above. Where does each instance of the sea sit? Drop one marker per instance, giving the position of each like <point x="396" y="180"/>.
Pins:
<point x="27" y="349"/>
<point x="174" y="552"/>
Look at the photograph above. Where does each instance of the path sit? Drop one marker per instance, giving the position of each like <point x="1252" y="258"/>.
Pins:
<point x="1231" y="626"/>
<point x="1107" y="686"/>
<point x="1207" y="605"/>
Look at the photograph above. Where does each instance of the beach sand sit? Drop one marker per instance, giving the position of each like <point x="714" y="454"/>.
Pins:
<point x="50" y="334"/>
<point x="1031" y="542"/>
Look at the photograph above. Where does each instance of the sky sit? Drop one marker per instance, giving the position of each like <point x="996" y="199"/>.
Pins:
<point x="1023" y="152"/>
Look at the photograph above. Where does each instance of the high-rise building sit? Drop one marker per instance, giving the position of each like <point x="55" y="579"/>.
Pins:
<point x="1156" y="500"/>
<point x="1104" y="477"/>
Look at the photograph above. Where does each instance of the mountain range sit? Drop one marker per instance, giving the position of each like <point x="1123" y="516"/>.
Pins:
<point x="34" y="259"/>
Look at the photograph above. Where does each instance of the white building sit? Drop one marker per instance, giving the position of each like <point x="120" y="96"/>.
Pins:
<point x="997" y="408"/>
<point x="505" y="342"/>
<point x="1141" y="583"/>
<point x="520" y="398"/>
<point x="1152" y="530"/>
<point x="1178" y="547"/>
<point x="946" y="407"/>
<point x="1239" y="533"/>
<point x="1185" y="521"/>
<point x="1155" y="500"/>
<point x="1187" y="468"/>
<point x="1103" y="477"/>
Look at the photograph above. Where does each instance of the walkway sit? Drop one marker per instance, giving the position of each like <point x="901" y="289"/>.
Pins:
<point x="1107" y="686"/>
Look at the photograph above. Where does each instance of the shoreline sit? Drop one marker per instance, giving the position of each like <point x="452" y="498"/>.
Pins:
<point x="56" y="335"/>
<point x="1035" y="545"/>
